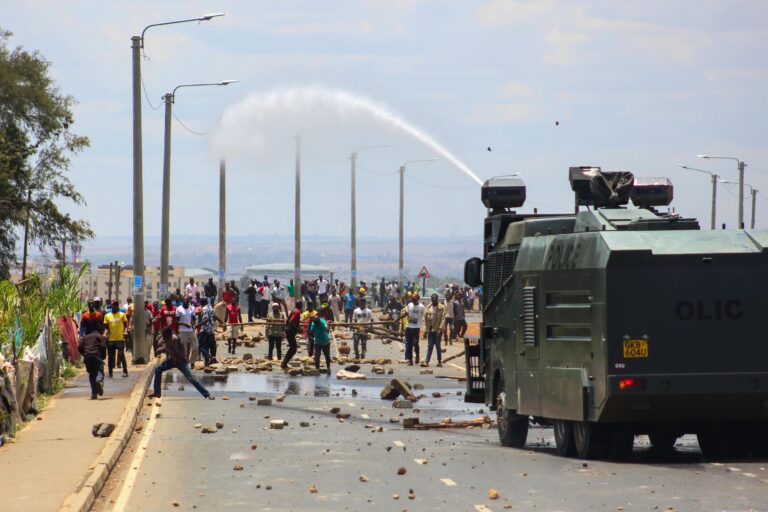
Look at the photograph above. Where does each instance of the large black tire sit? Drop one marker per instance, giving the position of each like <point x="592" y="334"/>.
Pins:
<point x="513" y="428"/>
<point x="564" y="438"/>
<point x="588" y="439"/>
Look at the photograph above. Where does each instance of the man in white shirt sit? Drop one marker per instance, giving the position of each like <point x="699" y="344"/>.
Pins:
<point x="190" y="291"/>
<point x="322" y="289"/>
<point x="279" y="294"/>
<point x="184" y="314"/>
<point x="415" y="314"/>
<point x="361" y="315"/>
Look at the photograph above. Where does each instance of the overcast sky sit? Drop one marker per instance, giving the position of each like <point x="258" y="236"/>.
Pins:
<point x="638" y="86"/>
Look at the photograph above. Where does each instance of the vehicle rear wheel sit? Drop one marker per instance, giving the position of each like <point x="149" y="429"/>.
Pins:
<point x="564" y="438"/>
<point x="588" y="439"/>
<point x="513" y="428"/>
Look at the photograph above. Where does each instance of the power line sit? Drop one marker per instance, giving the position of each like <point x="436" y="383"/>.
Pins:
<point x="374" y="172"/>
<point x="144" y="87"/>
<point x="190" y="130"/>
<point x="410" y="176"/>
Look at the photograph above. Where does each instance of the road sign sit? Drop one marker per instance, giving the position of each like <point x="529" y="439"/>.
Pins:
<point x="424" y="273"/>
<point x="221" y="273"/>
<point x="137" y="282"/>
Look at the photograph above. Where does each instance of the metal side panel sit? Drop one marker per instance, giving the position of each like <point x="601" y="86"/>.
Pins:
<point x="562" y="393"/>
<point x="528" y="393"/>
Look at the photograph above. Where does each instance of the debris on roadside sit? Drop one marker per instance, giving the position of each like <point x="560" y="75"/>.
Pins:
<point x="448" y="423"/>
<point x="102" y="429"/>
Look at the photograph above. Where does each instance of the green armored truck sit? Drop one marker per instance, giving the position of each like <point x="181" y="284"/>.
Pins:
<point x="616" y="321"/>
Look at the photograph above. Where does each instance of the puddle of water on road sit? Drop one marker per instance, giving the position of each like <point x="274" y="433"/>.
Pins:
<point x="329" y="387"/>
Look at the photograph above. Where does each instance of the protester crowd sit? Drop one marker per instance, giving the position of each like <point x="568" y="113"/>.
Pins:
<point x="183" y="325"/>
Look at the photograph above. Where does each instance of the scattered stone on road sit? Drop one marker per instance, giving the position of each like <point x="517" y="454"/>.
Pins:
<point x="102" y="429"/>
<point x="209" y="430"/>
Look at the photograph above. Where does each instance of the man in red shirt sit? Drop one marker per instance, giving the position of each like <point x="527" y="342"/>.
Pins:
<point x="291" y="329"/>
<point x="227" y="295"/>
<point x="167" y="314"/>
<point x="233" y="319"/>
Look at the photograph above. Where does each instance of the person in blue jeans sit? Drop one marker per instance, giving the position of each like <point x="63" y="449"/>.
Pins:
<point x="175" y="357"/>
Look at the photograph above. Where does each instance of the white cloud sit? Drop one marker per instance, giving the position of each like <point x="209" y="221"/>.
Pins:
<point x="516" y="89"/>
<point x="502" y="113"/>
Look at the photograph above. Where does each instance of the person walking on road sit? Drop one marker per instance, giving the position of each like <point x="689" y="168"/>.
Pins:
<point x="415" y="315"/>
<point x="434" y="319"/>
<point x="275" y="331"/>
<point x="91" y="320"/>
<point x="334" y="301"/>
<point x="190" y="290"/>
<point x="93" y="347"/>
<point x="184" y="315"/>
<point x="117" y="323"/>
<point x="449" y="327"/>
<point x="319" y="329"/>
<point x="291" y="329"/>
<point x="175" y="357"/>
<point x="361" y="315"/>
<point x="349" y="306"/>
<point x="266" y="298"/>
<point x="233" y="319"/>
<point x="459" y="316"/>
<point x="210" y="291"/>
<point x="206" y="340"/>
<point x="322" y="289"/>
<point x="254" y="299"/>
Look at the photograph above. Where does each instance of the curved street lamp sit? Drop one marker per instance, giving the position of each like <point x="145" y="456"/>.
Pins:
<point x="715" y="179"/>
<point x="141" y="348"/>
<point x="741" y="165"/>
<point x="170" y="99"/>
<point x="753" y="192"/>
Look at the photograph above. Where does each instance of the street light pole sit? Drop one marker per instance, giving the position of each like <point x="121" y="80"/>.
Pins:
<point x="753" y="192"/>
<point x="400" y="243"/>
<point x="715" y="179"/>
<point x="353" y="224"/>
<point x="140" y="345"/>
<point x="353" y="237"/>
<point x="297" y="226"/>
<point x="741" y="166"/>
<point x="222" y="224"/>
<point x="169" y="99"/>
<point x="165" y="223"/>
<point x="402" y="208"/>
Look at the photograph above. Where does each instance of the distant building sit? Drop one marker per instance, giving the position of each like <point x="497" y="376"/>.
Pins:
<point x="284" y="271"/>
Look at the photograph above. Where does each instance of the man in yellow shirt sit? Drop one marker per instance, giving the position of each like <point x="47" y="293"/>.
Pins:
<point x="117" y="324"/>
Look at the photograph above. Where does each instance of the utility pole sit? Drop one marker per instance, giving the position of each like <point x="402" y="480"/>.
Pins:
<point x="222" y="224"/>
<point x="117" y="281"/>
<point x="297" y="226"/>
<point x="754" y="198"/>
<point x="715" y="178"/>
<point x="140" y="347"/>
<point x="400" y="257"/>
<point x="26" y="236"/>
<point x="110" y="284"/>
<point x="353" y="237"/>
<point x="165" y="227"/>
<point x="742" y="165"/>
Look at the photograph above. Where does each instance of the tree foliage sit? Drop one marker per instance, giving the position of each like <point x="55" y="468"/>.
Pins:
<point x="36" y="144"/>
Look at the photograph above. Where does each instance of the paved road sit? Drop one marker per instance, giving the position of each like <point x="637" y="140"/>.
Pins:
<point x="178" y="467"/>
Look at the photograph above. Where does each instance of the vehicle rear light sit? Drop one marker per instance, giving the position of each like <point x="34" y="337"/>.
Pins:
<point x="631" y="384"/>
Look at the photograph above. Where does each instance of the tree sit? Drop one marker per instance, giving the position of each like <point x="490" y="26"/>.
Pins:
<point x="35" y="149"/>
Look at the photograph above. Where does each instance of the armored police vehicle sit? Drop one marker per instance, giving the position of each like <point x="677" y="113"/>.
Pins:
<point x="616" y="321"/>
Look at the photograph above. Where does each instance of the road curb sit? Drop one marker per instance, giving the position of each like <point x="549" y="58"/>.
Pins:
<point x="83" y="498"/>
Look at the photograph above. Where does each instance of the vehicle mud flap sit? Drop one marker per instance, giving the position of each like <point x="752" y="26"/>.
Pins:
<point x="475" y="373"/>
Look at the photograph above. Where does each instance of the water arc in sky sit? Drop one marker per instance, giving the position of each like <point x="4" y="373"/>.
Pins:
<point x="242" y="117"/>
